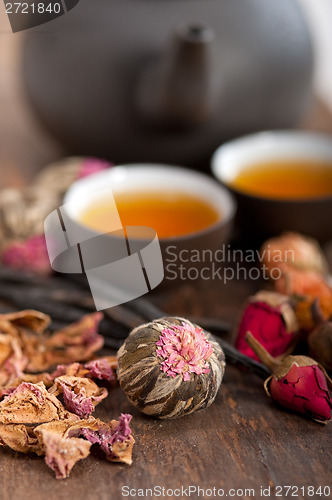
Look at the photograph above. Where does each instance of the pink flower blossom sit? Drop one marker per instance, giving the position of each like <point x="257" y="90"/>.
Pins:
<point x="185" y="350"/>
<point x="28" y="255"/>
<point x="91" y="166"/>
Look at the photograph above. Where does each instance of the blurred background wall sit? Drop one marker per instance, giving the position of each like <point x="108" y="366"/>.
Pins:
<point x="24" y="145"/>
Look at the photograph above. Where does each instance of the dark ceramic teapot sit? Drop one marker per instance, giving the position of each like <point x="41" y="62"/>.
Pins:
<point x="168" y="80"/>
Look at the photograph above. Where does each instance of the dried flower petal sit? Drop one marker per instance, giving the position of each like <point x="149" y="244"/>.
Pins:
<point x="35" y="321"/>
<point x="306" y="288"/>
<point x="91" y="166"/>
<point x="184" y="349"/>
<point x="29" y="255"/>
<point x="20" y="438"/>
<point x="46" y="378"/>
<point x="101" y="369"/>
<point x="12" y="359"/>
<point x="81" y="395"/>
<point x="77" y="342"/>
<point x="72" y="370"/>
<point x="61" y="454"/>
<point x="114" y="438"/>
<point x="31" y="404"/>
<point x="303" y="283"/>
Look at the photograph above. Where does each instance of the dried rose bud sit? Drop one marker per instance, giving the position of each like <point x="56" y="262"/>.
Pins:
<point x="170" y="367"/>
<point x="59" y="176"/>
<point x="312" y="311"/>
<point x="303" y="283"/>
<point x="293" y="250"/>
<point x="297" y="383"/>
<point x="320" y="344"/>
<point x="91" y="166"/>
<point x="307" y="289"/>
<point x="29" y="255"/>
<point x="270" y="318"/>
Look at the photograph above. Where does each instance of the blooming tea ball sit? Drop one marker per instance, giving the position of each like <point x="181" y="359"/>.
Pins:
<point x="170" y="367"/>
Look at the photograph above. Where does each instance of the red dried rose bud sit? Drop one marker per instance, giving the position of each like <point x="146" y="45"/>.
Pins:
<point x="270" y="317"/>
<point x="297" y="383"/>
<point x="302" y="388"/>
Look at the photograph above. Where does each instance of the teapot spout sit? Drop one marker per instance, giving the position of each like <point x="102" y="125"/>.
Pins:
<point x="177" y="91"/>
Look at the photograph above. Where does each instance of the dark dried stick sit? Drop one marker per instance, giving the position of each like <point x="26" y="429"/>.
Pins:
<point x="53" y="298"/>
<point x="150" y="312"/>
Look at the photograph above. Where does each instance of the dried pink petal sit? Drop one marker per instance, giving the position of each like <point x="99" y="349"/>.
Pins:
<point x="10" y="387"/>
<point x="76" y="342"/>
<point x="72" y="370"/>
<point x="92" y="166"/>
<point x="12" y="359"/>
<point x="31" y="404"/>
<point x="185" y="350"/>
<point x="110" y="435"/>
<point x="28" y="255"/>
<point x="61" y="454"/>
<point x="101" y="369"/>
<point x="80" y="395"/>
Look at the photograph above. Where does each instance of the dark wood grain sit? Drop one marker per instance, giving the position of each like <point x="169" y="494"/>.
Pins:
<point x="242" y="441"/>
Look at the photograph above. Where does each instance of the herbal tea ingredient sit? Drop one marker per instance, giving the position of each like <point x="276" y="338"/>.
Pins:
<point x="303" y="276"/>
<point x="22" y="213"/>
<point x="32" y="418"/>
<point x="294" y="251"/>
<point x="297" y="383"/>
<point x="271" y="319"/>
<point x="320" y="344"/>
<point x="304" y="279"/>
<point x="170" y="367"/>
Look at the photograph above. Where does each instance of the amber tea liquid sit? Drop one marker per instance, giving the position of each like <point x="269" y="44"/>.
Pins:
<point x="170" y="214"/>
<point x="286" y="179"/>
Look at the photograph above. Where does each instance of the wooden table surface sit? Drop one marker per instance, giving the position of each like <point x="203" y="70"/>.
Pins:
<point x="242" y="441"/>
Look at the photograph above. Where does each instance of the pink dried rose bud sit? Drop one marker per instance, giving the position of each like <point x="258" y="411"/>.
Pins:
<point x="92" y="166"/>
<point x="298" y="383"/>
<point x="270" y="317"/>
<point x="29" y="255"/>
